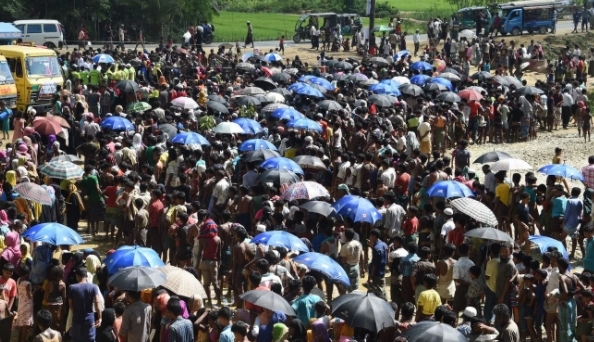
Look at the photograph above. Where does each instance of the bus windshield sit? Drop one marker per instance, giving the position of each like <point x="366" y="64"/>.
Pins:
<point x="42" y="66"/>
<point x="5" y="75"/>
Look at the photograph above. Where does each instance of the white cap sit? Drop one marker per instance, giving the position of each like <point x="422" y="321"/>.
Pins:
<point x="448" y="211"/>
<point x="469" y="312"/>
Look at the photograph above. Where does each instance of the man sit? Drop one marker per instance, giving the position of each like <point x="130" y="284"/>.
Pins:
<point x="242" y="254"/>
<point x="304" y="306"/>
<point x="351" y="256"/>
<point x="424" y="130"/>
<point x="227" y="334"/>
<point x="505" y="272"/>
<point x="155" y="210"/>
<point x="489" y="181"/>
<point x="267" y="278"/>
<point x="462" y="277"/>
<point x="43" y="318"/>
<point x="82" y="296"/>
<point x="448" y="226"/>
<point x="491" y="281"/>
<point x="210" y="258"/>
<point x="406" y="267"/>
<point x="219" y="193"/>
<point x="240" y="330"/>
<point x="416" y="41"/>
<point x="588" y="173"/>
<point x="393" y="216"/>
<point x="504" y="325"/>
<point x="379" y="260"/>
<point x="249" y="38"/>
<point x="402" y="185"/>
<point x="420" y="268"/>
<point x="136" y="320"/>
<point x="180" y="329"/>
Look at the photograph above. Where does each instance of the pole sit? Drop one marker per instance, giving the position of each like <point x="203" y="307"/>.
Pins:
<point x="371" y="22"/>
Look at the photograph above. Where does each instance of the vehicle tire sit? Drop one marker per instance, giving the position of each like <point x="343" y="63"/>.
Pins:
<point x="516" y="31"/>
<point x="49" y="45"/>
<point x="297" y="38"/>
<point x="208" y="39"/>
<point x="542" y="30"/>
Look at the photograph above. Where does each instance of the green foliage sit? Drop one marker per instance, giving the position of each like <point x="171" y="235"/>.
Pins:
<point x="207" y="123"/>
<point x="247" y="112"/>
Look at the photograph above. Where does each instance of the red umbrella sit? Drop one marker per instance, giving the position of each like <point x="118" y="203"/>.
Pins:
<point x="470" y="95"/>
<point x="46" y="126"/>
<point x="60" y="120"/>
<point x="267" y="71"/>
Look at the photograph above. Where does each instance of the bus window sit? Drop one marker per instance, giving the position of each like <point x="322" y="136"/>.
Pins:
<point x="15" y="66"/>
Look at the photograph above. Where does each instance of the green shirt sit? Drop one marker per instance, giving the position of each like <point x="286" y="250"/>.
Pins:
<point x="94" y="77"/>
<point x="84" y="77"/>
<point x="75" y="75"/>
<point x="91" y="184"/>
<point x="131" y="73"/>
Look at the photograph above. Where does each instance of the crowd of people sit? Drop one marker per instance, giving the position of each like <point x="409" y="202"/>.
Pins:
<point x="382" y="129"/>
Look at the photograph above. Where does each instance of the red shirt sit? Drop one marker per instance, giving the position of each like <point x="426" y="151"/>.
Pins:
<point x="10" y="288"/>
<point x="474" y="108"/>
<point x="111" y="192"/>
<point x="155" y="209"/>
<point x="410" y="226"/>
<point x="402" y="182"/>
<point x="456" y="237"/>
<point x="211" y="251"/>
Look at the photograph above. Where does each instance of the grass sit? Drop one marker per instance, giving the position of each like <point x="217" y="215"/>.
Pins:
<point x="419" y="6"/>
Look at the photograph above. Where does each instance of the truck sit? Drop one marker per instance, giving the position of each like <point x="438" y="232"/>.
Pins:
<point x="466" y="17"/>
<point x="536" y="16"/>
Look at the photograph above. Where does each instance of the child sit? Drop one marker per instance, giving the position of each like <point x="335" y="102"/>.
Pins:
<point x="428" y="299"/>
<point x="587" y="122"/>
<point x="527" y="306"/>
<point x="281" y="45"/>
<point x="25" y="304"/>
<point x="4" y="312"/>
<point x="585" y="316"/>
<point x="475" y="290"/>
<point x="118" y="308"/>
<point x="540" y="276"/>
<point x="54" y="292"/>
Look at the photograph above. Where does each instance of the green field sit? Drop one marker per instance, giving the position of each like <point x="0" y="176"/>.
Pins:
<point x="417" y="6"/>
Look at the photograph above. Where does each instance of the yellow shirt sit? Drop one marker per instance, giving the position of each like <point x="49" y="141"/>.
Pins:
<point x="502" y="191"/>
<point x="429" y="300"/>
<point x="290" y="152"/>
<point x="491" y="272"/>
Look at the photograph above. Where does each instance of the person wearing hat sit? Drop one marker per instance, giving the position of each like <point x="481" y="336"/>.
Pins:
<point x="448" y="226"/>
<point x="249" y="38"/>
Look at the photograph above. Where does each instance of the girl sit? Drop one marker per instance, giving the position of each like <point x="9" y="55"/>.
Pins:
<point x="586" y="123"/>
<point x="54" y="295"/>
<point x="25" y="305"/>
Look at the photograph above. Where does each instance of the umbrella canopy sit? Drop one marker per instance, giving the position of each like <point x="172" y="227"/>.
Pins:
<point x="272" y="57"/>
<point x="476" y="210"/>
<point x="281" y="77"/>
<point x="411" y="89"/>
<point x="260" y="155"/>
<point x="378" y="61"/>
<point x="289" y="113"/>
<point x="45" y="126"/>
<point x="251" y="91"/>
<point x="282" y="163"/>
<point x="256" y="144"/>
<point x="481" y="76"/>
<point x="283" y="91"/>
<point x="382" y="88"/>
<point x="449" y="189"/>
<point x="275" y="98"/>
<point x="278" y="177"/>
<point x="421" y="66"/>
<point x="127" y="86"/>
<point x="319" y="207"/>
<point x="435" y="87"/>
<point x="431" y="331"/>
<point x="356" y="208"/>
<point x="381" y="28"/>
<point x="139" y="107"/>
<point x="309" y="91"/>
<point x="54" y="234"/>
<point x="530" y="91"/>
<point x="469" y="34"/>
<point x="305" y="124"/>
<point x="448" y="97"/>
<point x="391" y="83"/>
<point x="449" y="76"/>
<point x="442" y="81"/>
<point x="265" y="83"/>
<point x="382" y="100"/>
<point x="489" y="233"/>
<point x="217" y="107"/>
<point x="271" y="108"/>
<point x="562" y="170"/>
<point x="325" y="265"/>
<point x="419" y="80"/>
<point x="127" y="256"/>
<point x="268" y="300"/>
<point x="360" y="310"/>
<point x="117" y="123"/>
<point x="168" y="129"/>
<point x="322" y="82"/>
<point x="228" y="128"/>
<point x="491" y="157"/>
<point x="342" y="65"/>
<point x="217" y="98"/>
<point x="329" y="105"/>
<point x="291" y="71"/>
<point x="470" y="95"/>
<point x="281" y="238"/>
<point x="185" y="103"/>
<point x="245" y="66"/>
<point x="68" y="157"/>
<point x="103" y="58"/>
<point x="189" y="138"/>
<point x="401" y="79"/>
<point x="247" y="101"/>
<point x="33" y="192"/>
<point x="137" y="278"/>
<point x="62" y="170"/>
<point x="305" y="190"/>
<point x="182" y="282"/>
<point x="60" y="120"/>
<point x="513" y="81"/>
<point x="310" y="162"/>
<point x="398" y="56"/>
<point x="501" y="80"/>
<point x="544" y="242"/>
<point x="510" y="164"/>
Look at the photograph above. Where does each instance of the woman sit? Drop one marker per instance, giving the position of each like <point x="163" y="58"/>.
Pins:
<point x="105" y="332"/>
<point x="54" y="294"/>
<point x="8" y="184"/>
<point x="411" y="142"/>
<point x="268" y="319"/>
<point x="19" y="126"/>
<point x="74" y="207"/>
<point x="319" y="332"/>
<point x="12" y="253"/>
<point x="93" y="264"/>
<point x="297" y="331"/>
<point x="49" y="147"/>
<point x="171" y="178"/>
<point x="280" y="332"/>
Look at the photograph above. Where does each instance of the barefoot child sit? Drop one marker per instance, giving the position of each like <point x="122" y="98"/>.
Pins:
<point x="25" y="305"/>
<point x="585" y="316"/>
<point x="527" y="304"/>
<point x="586" y="123"/>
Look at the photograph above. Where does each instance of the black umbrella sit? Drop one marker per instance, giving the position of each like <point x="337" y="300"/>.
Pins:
<point x="513" y="81"/>
<point x="343" y="65"/>
<point x="378" y="61"/>
<point x="128" y="86"/>
<point x="310" y="162"/>
<point x="489" y="233"/>
<point x="283" y="91"/>
<point x="453" y="71"/>
<point x="264" y="100"/>
<point x="329" y="105"/>
<point x="411" y="89"/>
<point x="217" y="98"/>
<point x="449" y="97"/>
<point x="137" y="278"/>
<point x="169" y="129"/>
<point x="431" y="331"/>
<point x="247" y="100"/>
<point x="382" y="100"/>
<point x="491" y="157"/>
<point x="278" y="177"/>
<point x="268" y="300"/>
<point x="217" y="107"/>
<point x="530" y="91"/>
<point x="281" y="77"/>
<point x="360" y="310"/>
<point x="265" y="83"/>
<point x="357" y="78"/>
<point x="501" y="80"/>
<point x="481" y="76"/>
<point x="339" y="77"/>
<point x="261" y="155"/>
<point x="320" y="207"/>
<point x="434" y="87"/>
<point x="245" y="66"/>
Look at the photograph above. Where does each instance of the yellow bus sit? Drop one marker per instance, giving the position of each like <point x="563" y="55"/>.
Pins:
<point x="8" y="90"/>
<point x="36" y="73"/>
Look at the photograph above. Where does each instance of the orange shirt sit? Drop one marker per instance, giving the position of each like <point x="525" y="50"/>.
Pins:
<point x="474" y="108"/>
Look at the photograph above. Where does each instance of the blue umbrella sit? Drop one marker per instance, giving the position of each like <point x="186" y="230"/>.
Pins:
<point x="325" y="265"/>
<point x="189" y="138"/>
<point x="246" y="56"/>
<point x="249" y="126"/>
<point x="280" y="238"/>
<point x="322" y="82"/>
<point x="424" y="66"/>
<point x="132" y="256"/>
<point x="358" y="209"/>
<point x="103" y="58"/>
<point x="449" y="189"/>
<point x="117" y="123"/>
<point x="53" y="233"/>
<point x="562" y="170"/>
<point x="296" y="85"/>
<point x="282" y="163"/>
<point x="442" y="81"/>
<point x="545" y="242"/>
<point x="391" y="83"/>
<point x="304" y="78"/>
<point x="382" y="88"/>
<point x="272" y="57"/>
<point x="287" y="114"/>
<point x="419" y="80"/>
<point x="309" y="91"/>
<point x="6" y="113"/>
<point x="256" y="144"/>
<point x="305" y="124"/>
<point x="400" y="54"/>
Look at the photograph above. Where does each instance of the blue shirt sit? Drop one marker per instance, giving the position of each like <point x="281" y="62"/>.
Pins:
<point x="406" y="264"/>
<point x="573" y="212"/>
<point x="227" y="335"/>
<point x="304" y="306"/>
<point x="181" y="330"/>
<point x="559" y="204"/>
<point x="380" y="258"/>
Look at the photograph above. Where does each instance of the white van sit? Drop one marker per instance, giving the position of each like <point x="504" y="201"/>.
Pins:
<point x="49" y="33"/>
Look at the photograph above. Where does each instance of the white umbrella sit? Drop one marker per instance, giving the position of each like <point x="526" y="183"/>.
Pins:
<point x="185" y="103"/>
<point x="469" y="34"/>
<point x="401" y="79"/>
<point x="228" y="128"/>
<point x="510" y="164"/>
<point x="476" y="210"/>
<point x="275" y="97"/>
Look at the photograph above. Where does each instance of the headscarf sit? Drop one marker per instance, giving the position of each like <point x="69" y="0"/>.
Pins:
<point x="137" y="141"/>
<point x="279" y="332"/>
<point x="12" y="252"/>
<point x="51" y="192"/>
<point x="300" y="331"/>
<point x="320" y="331"/>
<point x="50" y="140"/>
<point x="27" y="255"/>
<point x="11" y="177"/>
<point x="130" y="155"/>
<point x="184" y="307"/>
<point x="411" y="142"/>
<point x="105" y="331"/>
<point x="22" y="172"/>
<point x="92" y="263"/>
<point x="4" y="217"/>
<point x="71" y="265"/>
<point x="265" y="334"/>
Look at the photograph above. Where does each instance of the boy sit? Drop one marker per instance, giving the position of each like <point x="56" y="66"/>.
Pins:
<point x="119" y="309"/>
<point x="475" y="290"/>
<point x="585" y="316"/>
<point x="281" y="45"/>
<point x="411" y="225"/>
<point x="559" y="204"/>
<point x="540" y="276"/>
<point x="428" y="300"/>
<point x="527" y="306"/>
<point x="8" y="285"/>
<point x="571" y="220"/>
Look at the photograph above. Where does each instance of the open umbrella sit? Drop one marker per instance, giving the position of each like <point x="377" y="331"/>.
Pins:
<point x="278" y="177"/>
<point x="501" y="80"/>
<point x="358" y="209"/>
<point x="274" y="98"/>
<point x="268" y="300"/>
<point x="319" y="207"/>
<point x="309" y="91"/>
<point x="217" y="98"/>
<point x="357" y="77"/>
<point x="62" y="170"/>
<point x="491" y="157"/>
<point x="103" y="58"/>
<point x="256" y="144"/>
<point x="401" y="79"/>
<point x="251" y="91"/>
<point x="271" y="108"/>
<point x="54" y="234"/>
<point x="378" y="61"/>
<point x="45" y="126"/>
<point x="189" y="138"/>
<point x="247" y="101"/>
<point x="398" y="56"/>
<point x="126" y="256"/>
<point x="305" y="190"/>
<point x="382" y="88"/>
<point x="449" y="189"/>
<point x="329" y="105"/>
<point x="305" y="124"/>
<point x="117" y="123"/>
<point x="411" y="89"/>
<point x="469" y="34"/>
<point x="325" y="265"/>
<point x="185" y="103"/>
<point x="420" y="80"/>
<point x="360" y="310"/>
<point x="530" y="91"/>
<point x="260" y="155"/>
<point x="391" y="83"/>
<point x="342" y="65"/>
<point x="139" y="107"/>
<point x="435" y="87"/>
<point x="182" y="282"/>
<point x="513" y="81"/>
<point x="544" y="242"/>
<point x="280" y="77"/>
<point x="470" y="95"/>
<point x="265" y="83"/>
<point x="168" y="129"/>
<point x="489" y="233"/>
<point x="481" y="76"/>
<point x="431" y="331"/>
<point x="228" y="128"/>
<point x="137" y="278"/>
<point x="291" y="71"/>
<point x="562" y="170"/>
<point x="33" y="192"/>
<point x="272" y="57"/>
<point x="510" y="164"/>
<point x="283" y="91"/>
<point x="448" y="97"/>
<point x="127" y="86"/>
<point x="442" y="81"/>
<point x="449" y="76"/>
<point x="382" y="100"/>
<point x="476" y="210"/>
<point x="245" y="66"/>
<point x="217" y="107"/>
<point x="310" y="162"/>
<point x="289" y="113"/>
<point x="248" y="125"/>
<point x="68" y="157"/>
<point x="60" y="120"/>
<point x="322" y="82"/>
<point x="279" y="238"/>
<point x="422" y="66"/>
<point x="282" y="163"/>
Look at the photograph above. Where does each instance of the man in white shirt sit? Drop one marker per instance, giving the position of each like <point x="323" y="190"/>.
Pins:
<point x="566" y="107"/>
<point x="351" y="256"/>
<point x="424" y="130"/>
<point x="388" y="175"/>
<point x="312" y="34"/>
<point x="393" y="216"/>
<point x="448" y="226"/>
<point x="219" y="193"/>
<point x="489" y="182"/>
<point x="416" y="41"/>
<point x="342" y="168"/>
